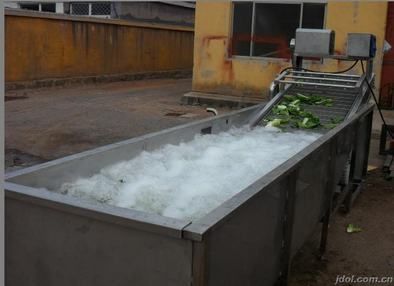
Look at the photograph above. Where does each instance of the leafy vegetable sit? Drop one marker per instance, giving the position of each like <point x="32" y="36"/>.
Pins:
<point x="295" y="102"/>
<point x="303" y="98"/>
<point x="333" y="123"/>
<point x="314" y="100"/>
<point x="336" y="120"/>
<point x="326" y="102"/>
<point x="309" y="122"/>
<point x="281" y="110"/>
<point x="288" y="98"/>
<point x="277" y="122"/>
<point x="289" y="110"/>
<point x="294" y="110"/>
<point x="351" y="228"/>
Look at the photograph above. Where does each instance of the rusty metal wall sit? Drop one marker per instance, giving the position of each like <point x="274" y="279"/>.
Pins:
<point x="41" y="46"/>
<point x="386" y="99"/>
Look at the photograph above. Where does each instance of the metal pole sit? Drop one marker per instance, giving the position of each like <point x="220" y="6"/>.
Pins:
<point x="2" y="43"/>
<point x="368" y="142"/>
<point x="252" y="30"/>
<point x="324" y="233"/>
<point x="298" y="62"/>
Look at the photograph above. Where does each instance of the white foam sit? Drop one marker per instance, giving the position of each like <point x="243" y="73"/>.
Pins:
<point x="189" y="180"/>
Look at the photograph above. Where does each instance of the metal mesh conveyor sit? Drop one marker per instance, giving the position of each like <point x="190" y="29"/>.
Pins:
<point x="347" y="93"/>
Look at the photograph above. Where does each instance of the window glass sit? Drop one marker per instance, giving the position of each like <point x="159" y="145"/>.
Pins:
<point x="313" y="15"/>
<point x="242" y="28"/>
<point x="80" y="8"/>
<point x="29" y="6"/>
<point x="48" y="7"/>
<point x="101" y="8"/>
<point x="275" y="26"/>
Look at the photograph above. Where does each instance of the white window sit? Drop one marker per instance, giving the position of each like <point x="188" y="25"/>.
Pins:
<point x="265" y="29"/>
<point x="97" y="9"/>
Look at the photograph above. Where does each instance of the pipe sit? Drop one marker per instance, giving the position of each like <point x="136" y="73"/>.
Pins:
<point x="212" y="110"/>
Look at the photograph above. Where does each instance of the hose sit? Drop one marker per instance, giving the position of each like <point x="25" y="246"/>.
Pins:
<point x="212" y="110"/>
<point x="336" y="72"/>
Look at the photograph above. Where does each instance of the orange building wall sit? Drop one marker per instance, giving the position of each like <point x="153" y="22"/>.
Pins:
<point x="216" y="71"/>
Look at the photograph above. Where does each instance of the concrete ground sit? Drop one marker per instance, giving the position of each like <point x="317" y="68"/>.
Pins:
<point x="46" y="124"/>
<point x="369" y="253"/>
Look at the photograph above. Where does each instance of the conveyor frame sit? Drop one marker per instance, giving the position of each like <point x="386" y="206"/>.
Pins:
<point x="347" y="91"/>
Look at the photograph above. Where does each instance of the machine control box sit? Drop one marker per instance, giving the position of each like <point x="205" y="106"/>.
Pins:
<point x="314" y="42"/>
<point x="361" y="46"/>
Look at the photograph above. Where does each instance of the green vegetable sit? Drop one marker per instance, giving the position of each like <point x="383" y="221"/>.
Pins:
<point x="303" y="98"/>
<point x="333" y="123"/>
<point x="306" y="114"/>
<point x="314" y="100"/>
<point x="295" y="102"/>
<point x="326" y="102"/>
<point x="288" y="98"/>
<point x="309" y="122"/>
<point x="351" y="228"/>
<point x="336" y="120"/>
<point x="280" y="110"/>
<point x="289" y="110"/>
<point x="294" y="110"/>
<point x="277" y="122"/>
<point x="329" y="125"/>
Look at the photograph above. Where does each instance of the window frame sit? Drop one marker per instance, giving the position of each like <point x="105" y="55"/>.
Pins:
<point x="301" y="3"/>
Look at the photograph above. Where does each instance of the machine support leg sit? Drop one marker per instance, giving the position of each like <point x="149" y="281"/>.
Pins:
<point x="288" y="220"/>
<point x="324" y="234"/>
<point x="383" y="138"/>
<point x="367" y="142"/>
<point x="330" y="188"/>
<point x="359" y="164"/>
<point x="382" y="142"/>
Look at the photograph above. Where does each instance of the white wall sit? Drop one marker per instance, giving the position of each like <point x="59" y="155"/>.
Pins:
<point x="60" y="8"/>
<point x="11" y="5"/>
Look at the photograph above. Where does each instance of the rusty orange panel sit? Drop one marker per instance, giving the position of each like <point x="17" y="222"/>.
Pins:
<point x="57" y="47"/>
<point x="386" y="99"/>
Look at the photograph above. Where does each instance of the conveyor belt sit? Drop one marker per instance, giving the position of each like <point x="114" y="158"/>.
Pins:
<point x="342" y="103"/>
<point x="345" y="100"/>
